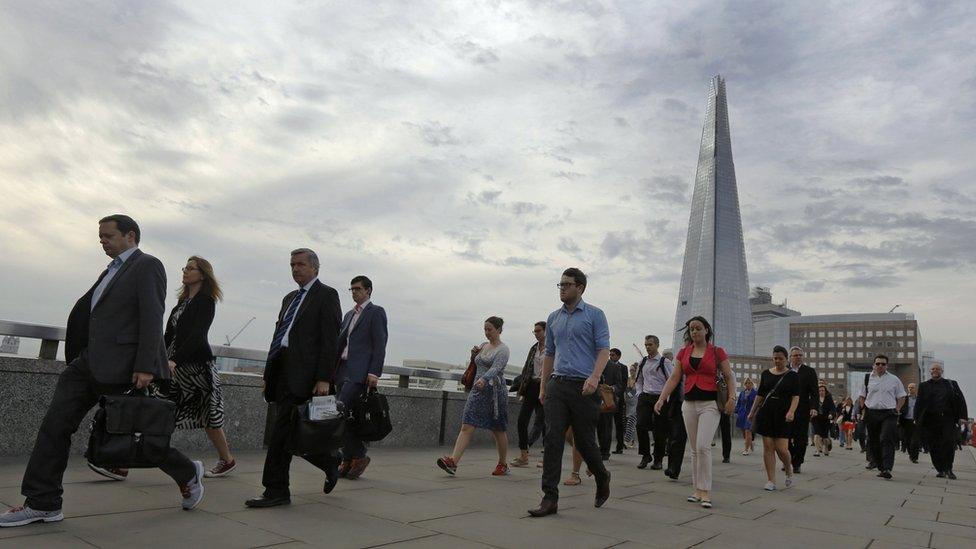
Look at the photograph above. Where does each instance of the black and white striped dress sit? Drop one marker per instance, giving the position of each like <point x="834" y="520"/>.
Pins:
<point x="195" y="388"/>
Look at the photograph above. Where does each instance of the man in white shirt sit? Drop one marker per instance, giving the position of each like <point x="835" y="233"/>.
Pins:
<point x="883" y="395"/>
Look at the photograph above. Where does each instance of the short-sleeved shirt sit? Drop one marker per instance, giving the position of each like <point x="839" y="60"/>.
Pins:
<point x="883" y="392"/>
<point x="575" y="338"/>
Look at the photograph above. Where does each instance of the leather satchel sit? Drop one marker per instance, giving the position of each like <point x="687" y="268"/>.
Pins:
<point x="607" y="401"/>
<point x="371" y="417"/>
<point x="467" y="379"/>
<point x="310" y="437"/>
<point x="131" y="431"/>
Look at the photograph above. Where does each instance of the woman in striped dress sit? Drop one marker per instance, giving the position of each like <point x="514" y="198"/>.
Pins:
<point x="195" y="386"/>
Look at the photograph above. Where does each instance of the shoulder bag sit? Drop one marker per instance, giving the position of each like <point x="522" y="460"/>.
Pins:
<point x="467" y="379"/>
<point x="371" y="417"/>
<point x="721" y="386"/>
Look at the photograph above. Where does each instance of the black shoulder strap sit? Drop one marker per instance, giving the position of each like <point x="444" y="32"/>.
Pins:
<point x="867" y="378"/>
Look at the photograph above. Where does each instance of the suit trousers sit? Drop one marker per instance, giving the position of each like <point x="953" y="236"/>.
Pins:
<point x="882" y="427"/>
<point x="277" y="461"/>
<point x="648" y="421"/>
<point x="725" y="428"/>
<point x="909" y="439"/>
<point x="566" y="406"/>
<point x="604" y="432"/>
<point x="620" y="422"/>
<point x="677" y="435"/>
<point x="800" y="438"/>
<point x="75" y="394"/>
<point x="941" y="434"/>
<point x="701" y="419"/>
<point x="530" y="405"/>
<point x="352" y="446"/>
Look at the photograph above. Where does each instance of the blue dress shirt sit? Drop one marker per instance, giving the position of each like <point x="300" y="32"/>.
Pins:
<point x="575" y="338"/>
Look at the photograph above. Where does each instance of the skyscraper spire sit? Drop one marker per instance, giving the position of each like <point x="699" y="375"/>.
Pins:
<point x="714" y="277"/>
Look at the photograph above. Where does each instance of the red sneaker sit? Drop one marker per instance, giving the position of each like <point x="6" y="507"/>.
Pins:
<point x="447" y="463"/>
<point x="107" y="472"/>
<point x="221" y="469"/>
<point x="500" y="470"/>
<point x="343" y="469"/>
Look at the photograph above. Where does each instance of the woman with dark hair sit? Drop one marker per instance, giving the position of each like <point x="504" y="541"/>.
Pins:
<point x="821" y="422"/>
<point x="529" y="392"/>
<point x="698" y="363"/>
<point x="742" y="408"/>
<point x="772" y="415"/>
<point x="487" y="404"/>
<point x="846" y="418"/>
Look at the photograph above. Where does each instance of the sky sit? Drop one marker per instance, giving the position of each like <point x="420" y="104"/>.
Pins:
<point x="462" y="154"/>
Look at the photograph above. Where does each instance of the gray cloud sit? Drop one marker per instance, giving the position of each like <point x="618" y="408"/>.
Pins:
<point x="434" y="133"/>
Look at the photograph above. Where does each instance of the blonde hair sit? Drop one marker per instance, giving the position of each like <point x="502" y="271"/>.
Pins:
<point x="210" y="286"/>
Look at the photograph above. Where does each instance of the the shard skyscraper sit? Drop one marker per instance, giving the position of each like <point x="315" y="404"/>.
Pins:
<point x="714" y="278"/>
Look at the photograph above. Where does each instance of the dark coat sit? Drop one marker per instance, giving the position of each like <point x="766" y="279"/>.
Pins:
<point x="313" y="344"/>
<point x="809" y="399"/>
<point x="367" y="344"/>
<point x="189" y="338"/>
<point x="124" y="332"/>
<point x="955" y="406"/>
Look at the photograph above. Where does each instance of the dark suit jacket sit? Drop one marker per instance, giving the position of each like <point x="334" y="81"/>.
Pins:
<point x="615" y="374"/>
<point x="312" y="344"/>
<point x="809" y="399"/>
<point x="955" y="403"/>
<point x="367" y="344"/>
<point x="124" y="332"/>
<point x="189" y="338"/>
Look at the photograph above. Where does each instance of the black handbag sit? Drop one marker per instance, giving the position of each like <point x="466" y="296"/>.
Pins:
<point x="310" y="437"/>
<point x="371" y="417"/>
<point x="131" y="431"/>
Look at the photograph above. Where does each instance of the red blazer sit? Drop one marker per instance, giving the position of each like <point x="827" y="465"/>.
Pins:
<point x="704" y="376"/>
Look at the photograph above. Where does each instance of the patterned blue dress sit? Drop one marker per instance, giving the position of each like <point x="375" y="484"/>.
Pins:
<point x="488" y="408"/>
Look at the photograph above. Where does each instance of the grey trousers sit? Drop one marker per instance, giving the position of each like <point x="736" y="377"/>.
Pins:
<point x="75" y="394"/>
<point x="566" y="407"/>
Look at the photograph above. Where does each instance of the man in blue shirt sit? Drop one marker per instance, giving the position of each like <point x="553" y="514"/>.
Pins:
<point x="577" y="350"/>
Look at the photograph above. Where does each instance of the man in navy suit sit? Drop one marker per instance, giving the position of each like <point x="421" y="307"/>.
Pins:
<point x="362" y="349"/>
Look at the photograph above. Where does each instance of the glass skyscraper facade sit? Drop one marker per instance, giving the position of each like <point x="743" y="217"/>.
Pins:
<point x="714" y="277"/>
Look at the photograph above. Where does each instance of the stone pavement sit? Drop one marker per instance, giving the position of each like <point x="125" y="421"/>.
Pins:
<point x="404" y="500"/>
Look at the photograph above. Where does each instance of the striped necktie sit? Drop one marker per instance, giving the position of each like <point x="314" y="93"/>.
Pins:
<point x="285" y="325"/>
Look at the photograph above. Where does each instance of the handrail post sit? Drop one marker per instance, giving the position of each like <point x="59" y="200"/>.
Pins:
<point x="49" y="349"/>
<point x="404" y="381"/>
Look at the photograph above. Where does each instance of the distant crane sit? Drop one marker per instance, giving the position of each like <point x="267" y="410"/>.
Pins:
<point x="893" y="308"/>
<point x="244" y="327"/>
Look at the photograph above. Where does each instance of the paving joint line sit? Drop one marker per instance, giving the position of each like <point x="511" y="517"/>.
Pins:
<point x="412" y="522"/>
<point x="388" y="543"/>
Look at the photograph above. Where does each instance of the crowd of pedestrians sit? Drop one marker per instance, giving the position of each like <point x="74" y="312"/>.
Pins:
<point x="572" y="383"/>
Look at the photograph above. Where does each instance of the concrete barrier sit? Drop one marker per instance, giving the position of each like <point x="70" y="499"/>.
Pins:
<point x="421" y="418"/>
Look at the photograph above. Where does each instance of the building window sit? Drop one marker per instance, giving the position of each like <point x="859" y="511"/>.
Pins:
<point x="860" y="333"/>
<point x="850" y="334"/>
<point x="830" y="343"/>
<point x="830" y="375"/>
<point x="830" y="334"/>
<point x="888" y="333"/>
<point x="910" y="333"/>
<point x="870" y="333"/>
<point x="910" y="354"/>
<point x="820" y="334"/>
<point x="840" y="375"/>
<point x="910" y="344"/>
<point x="900" y="333"/>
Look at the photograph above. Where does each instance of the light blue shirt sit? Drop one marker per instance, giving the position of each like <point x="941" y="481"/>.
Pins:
<point x="575" y="338"/>
<point x="284" y="340"/>
<point x="113" y="268"/>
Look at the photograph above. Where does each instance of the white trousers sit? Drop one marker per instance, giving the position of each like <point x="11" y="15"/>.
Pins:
<point x="701" y="421"/>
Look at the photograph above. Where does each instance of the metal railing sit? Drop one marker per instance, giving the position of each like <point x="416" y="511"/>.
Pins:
<point x="52" y="336"/>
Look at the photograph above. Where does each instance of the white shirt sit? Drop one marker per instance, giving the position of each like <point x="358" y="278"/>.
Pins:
<point x="537" y="360"/>
<point x="883" y="392"/>
<point x="284" y="340"/>
<point x="113" y="268"/>
<point x="352" y="323"/>
<point x="650" y="380"/>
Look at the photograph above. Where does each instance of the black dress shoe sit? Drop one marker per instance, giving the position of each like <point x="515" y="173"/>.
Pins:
<point x="602" y="491"/>
<point x="940" y="474"/>
<point x="264" y="501"/>
<point x="886" y="474"/>
<point x="869" y="466"/>
<point x="796" y="469"/>
<point x="547" y="507"/>
<point x="643" y="463"/>
<point x="331" y="479"/>
<point x="657" y="466"/>
<point x="725" y="460"/>
<point x="671" y="474"/>
<point x="950" y="475"/>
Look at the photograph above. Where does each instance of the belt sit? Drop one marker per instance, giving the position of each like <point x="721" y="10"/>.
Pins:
<point x="558" y="377"/>
<point x="882" y="410"/>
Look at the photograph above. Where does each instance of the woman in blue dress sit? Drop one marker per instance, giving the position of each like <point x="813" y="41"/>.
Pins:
<point x="487" y="404"/>
<point x="742" y="408"/>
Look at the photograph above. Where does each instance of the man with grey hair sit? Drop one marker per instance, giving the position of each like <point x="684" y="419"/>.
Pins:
<point x="941" y="409"/>
<point x="805" y="409"/>
<point x="301" y="363"/>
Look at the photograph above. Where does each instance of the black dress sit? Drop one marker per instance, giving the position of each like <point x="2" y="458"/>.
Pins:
<point x="771" y="418"/>
<point x="825" y="414"/>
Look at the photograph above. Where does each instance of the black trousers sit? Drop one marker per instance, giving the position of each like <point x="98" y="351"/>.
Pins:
<point x="909" y="439"/>
<point x="882" y="429"/>
<point x="348" y="393"/>
<point x="725" y="428"/>
<point x="648" y="421"/>
<point x="530" y="405"/>
<point x="941" y="436"/>
<point x="75" y="394"/>
<point x="620" y="422"/>
<point x="566" y="407"/>
<point x="677" y="436"/>
<point x="800" y="438"/>
<point x="604" y="432"/>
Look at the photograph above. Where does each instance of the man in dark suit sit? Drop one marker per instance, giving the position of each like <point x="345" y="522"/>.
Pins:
<point x="906" y="423"/>
<point x="362" y="349"/>
<point x="804" y="410"/>
<point x="114" y="341"/>
<point x="940" y="409"/>
<point x="301" y="363"/>
<point x="615" y="375"/>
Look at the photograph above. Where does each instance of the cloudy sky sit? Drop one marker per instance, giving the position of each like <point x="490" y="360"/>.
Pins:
<point x="463" y="154"/>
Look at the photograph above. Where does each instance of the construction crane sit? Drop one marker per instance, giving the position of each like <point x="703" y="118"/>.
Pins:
<point x="891" y="310"/>
<point x="244" y="327"/>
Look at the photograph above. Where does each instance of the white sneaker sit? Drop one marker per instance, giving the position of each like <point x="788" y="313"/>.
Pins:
<point x="19" y="516"/>
<point x="789" y="481"/>
<point x="769" y="487"/>
<point x="193" y="490"/>
<point x="746" y="452"/>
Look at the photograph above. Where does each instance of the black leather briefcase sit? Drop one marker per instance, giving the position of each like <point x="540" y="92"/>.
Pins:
<point x="309" y="437"/>
<point x="371" y="417"/>
<point x="131" y="431"/>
